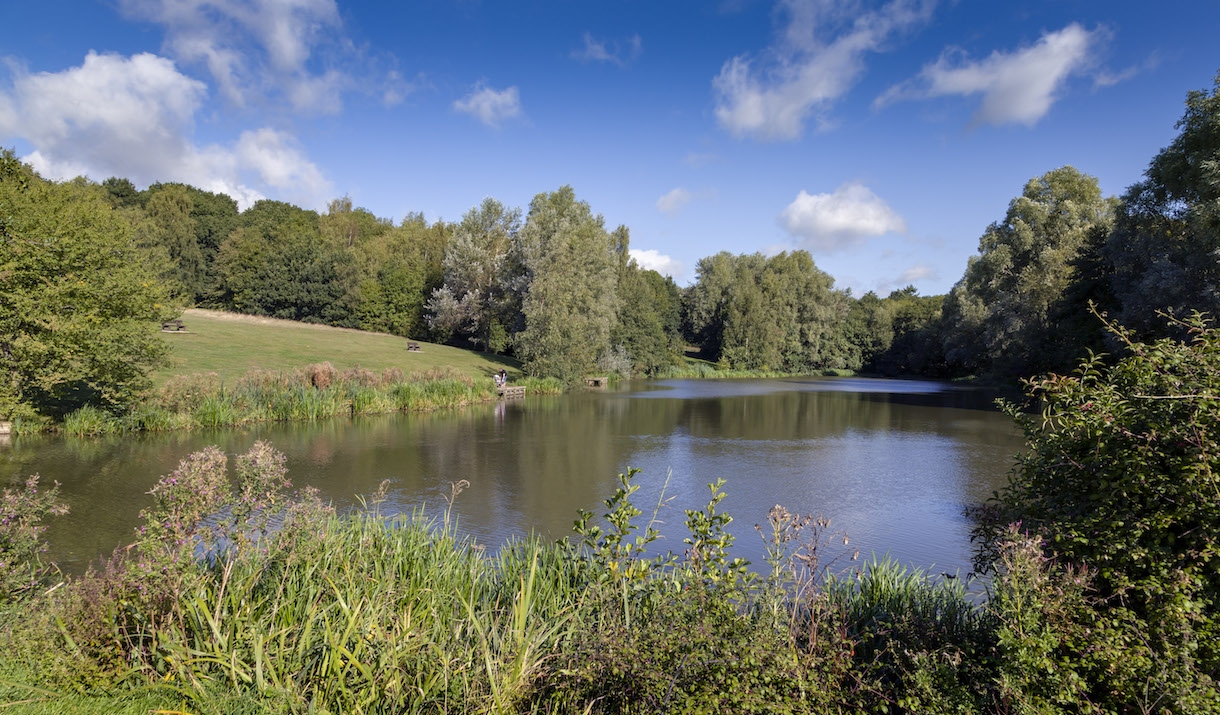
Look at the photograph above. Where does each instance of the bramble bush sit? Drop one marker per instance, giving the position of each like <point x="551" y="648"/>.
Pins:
<point x="1122" y="478"/>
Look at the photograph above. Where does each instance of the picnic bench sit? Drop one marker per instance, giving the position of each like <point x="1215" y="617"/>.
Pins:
<point x="173" y="326"/>
<point x="413" y="347"/>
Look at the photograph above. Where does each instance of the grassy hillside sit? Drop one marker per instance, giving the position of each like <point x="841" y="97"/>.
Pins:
<point x="230" y="344"/>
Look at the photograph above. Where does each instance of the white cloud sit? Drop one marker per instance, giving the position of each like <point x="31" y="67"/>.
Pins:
<point x="672" y="202"/>
<point x="256" y="49"/>
<point x="831" y="222"/>
<point x="806" y="73"/>
<point x="133" y="118"/>
<point x="656" y="261"/>
<point x="1017" y="87"/>
<point x="274" y="157"/>
<point x="618" y="53"/>
<point x="910" y="276"/>
<point x="490" y="106"/>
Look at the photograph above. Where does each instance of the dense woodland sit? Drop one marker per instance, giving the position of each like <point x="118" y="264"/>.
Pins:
<point x="85" y="265"/>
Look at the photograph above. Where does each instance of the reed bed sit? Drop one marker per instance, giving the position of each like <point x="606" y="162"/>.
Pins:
<point x="703" y="370"/>
<point x="376" y="615"/>
<point x="312" y="393"/>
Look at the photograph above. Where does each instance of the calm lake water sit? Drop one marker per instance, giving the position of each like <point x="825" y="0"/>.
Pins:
<point x="891" y="463"/>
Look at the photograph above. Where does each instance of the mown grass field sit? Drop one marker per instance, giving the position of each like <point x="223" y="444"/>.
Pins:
<point x="230" y="344"/>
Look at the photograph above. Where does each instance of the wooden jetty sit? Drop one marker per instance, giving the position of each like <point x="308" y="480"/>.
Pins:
<point x="509" y="392"/>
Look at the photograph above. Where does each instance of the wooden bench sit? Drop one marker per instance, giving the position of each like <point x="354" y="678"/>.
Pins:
<point x="173" y="326"/>
<point x="413" y="347"/>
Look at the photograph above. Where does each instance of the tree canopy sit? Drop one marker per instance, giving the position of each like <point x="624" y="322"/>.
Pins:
<point x="999" y="314"/>
<point x="81" y="298"/>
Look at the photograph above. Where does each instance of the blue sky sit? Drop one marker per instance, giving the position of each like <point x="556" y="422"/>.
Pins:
<point x="883" y="137"/>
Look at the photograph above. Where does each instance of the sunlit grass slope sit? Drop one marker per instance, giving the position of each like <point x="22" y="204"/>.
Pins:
<point x="231" y="344"/>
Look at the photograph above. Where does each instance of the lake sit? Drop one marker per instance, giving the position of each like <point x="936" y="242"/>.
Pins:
<point x="892" y="463"/>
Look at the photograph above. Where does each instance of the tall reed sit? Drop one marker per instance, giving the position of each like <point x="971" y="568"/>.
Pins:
<point x="311" y="393"/>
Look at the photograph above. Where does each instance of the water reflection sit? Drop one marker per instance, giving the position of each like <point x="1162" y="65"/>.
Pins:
<point x="891" y="462"/>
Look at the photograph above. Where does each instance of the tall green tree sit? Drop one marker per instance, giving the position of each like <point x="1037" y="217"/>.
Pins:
<point x="278" y="264"/>
<point x="1164" y="246"/>
<point x="777" y="313"/>
<point x="404" y="266"/>
<point x="168" y="223"/>
<point x="568" y="261"/>
<point x="646" y="329"/>
<point x="916" y="346"/>
<point x="123" y="193"/>
<point x="348" y="226"/>
<point x="998" y="313"/>
<point x="80" y="302"/>
<point x="475" y="299"/>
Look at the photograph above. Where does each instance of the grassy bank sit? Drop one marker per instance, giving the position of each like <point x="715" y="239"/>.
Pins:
<point x="229" y="369"/>
<point x="231" y="345"/>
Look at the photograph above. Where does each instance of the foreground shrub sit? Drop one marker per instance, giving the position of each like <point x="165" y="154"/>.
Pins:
<point x="1122" y="476"/>
<point x="1063" y="646"/>
<point x="694" y="653"/>
<point x="1119" y="495"/>
<point x="22" y="511"/>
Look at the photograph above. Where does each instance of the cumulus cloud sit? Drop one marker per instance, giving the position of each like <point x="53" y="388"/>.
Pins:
<point x="831" y="222"/>
<point x="490" y="106"/>
<point x="654" y="260"/>
<point x="817" y="59"/>
<point x="672" y="202"/>
<point x="617" y="53"/>
<point x="1016" y="87"/>
<point x="262" y="48"/>
<point x="134" y="118"/>
<point x="910" y="276"/>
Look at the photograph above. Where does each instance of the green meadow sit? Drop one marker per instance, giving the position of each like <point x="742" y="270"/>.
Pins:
<point x="230" y="345"/>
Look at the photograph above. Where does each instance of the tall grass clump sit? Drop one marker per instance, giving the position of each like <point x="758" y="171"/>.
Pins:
<point x="921" y="640"/>
<point x="90" y="421"/>
<point x="542" y="385"/>
<point x="237" y="591"/>
<point x="152" y="418"/>
<point x="216" y="411"/>
<point x="702" y="369"/>
<point x="311" y="393"/>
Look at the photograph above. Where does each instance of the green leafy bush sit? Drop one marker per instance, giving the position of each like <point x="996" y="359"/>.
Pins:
<point x="1122" y="477"/>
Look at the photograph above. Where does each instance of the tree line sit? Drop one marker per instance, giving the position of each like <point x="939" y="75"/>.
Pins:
<point x="84" y="263"/>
